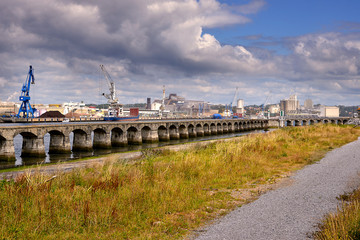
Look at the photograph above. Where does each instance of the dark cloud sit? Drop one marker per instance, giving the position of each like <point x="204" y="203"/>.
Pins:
<point x="146" y="44"/>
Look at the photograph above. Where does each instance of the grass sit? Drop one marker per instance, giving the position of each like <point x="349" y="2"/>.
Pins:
<point x="345" y="223"/>
<point x="166" y="195"/>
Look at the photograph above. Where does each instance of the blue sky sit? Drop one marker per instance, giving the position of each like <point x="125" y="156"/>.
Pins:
<point x="199" y="49"/>
<point x="283" y="19"/>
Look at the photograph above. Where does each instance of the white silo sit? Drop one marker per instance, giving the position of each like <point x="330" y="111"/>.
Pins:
<point x="240" y="106"/>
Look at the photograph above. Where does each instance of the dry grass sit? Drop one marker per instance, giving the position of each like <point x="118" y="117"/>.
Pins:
<point x="345" y="223"/>
<point x="164" y="196"/>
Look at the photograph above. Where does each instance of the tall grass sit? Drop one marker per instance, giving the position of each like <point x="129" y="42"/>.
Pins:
<point x="163" y="196"/>
<point x="345" y="223"/>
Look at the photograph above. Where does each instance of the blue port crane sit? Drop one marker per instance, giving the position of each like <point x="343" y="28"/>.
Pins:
<point x="25" y="110"/>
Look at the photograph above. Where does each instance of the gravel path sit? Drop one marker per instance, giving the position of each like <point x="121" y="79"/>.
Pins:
<point x="293" y="212"/>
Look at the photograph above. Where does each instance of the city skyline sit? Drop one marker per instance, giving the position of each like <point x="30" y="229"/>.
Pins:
<point x="201" y="50"/>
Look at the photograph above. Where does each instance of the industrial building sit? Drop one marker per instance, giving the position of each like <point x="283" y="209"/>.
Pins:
<point x="290" y="106"/>
<point x="329" y="111"/>
<point x="8" y="108"/>
<point x="178" y="106"/>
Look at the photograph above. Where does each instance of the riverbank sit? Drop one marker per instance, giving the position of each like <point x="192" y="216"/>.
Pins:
<point x="67" y="166"/>
<point x="163" y="195"/>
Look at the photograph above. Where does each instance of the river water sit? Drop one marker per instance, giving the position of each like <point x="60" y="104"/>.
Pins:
<point x="53" y="158"/>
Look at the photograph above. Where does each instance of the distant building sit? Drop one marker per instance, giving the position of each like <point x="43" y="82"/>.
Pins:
<point x="329" y="111"/>
<point x="156" y="105"/>
<point x="308" y="104"/>
<point x="148" y="103"/>
<point x="274" y="109"/>
<point x="72" y="106"/>
<point x="177" y="105"/>
<point x="290" y="106"/>
<point x="8" y="108"/>
<point x="240" y="106"/>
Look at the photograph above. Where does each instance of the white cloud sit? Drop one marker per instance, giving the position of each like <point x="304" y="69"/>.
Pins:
<point x="146" y="44"/>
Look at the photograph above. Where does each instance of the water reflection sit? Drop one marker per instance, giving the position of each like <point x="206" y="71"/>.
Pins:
<point x="53" y="158"/>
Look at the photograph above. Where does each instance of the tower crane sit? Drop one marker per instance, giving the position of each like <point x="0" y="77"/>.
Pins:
<point x="25" y="110"/>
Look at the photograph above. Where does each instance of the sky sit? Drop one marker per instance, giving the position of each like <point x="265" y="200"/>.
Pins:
<point x="199" y="49"/>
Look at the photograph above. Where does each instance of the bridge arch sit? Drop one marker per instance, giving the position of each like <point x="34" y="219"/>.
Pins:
<point x="206" y="129"/>
<point x="81" y="140"/>
<point x="101" y="139"/>
<point x="7" y="150"/>
<point x="242" y="126"/>
<point x="236" y="127"/>
<point x="134" y="136"/>
<point x="288" y="123"/>
<point x="219" y="129"/>
<point x="213" y="129"/>
<point x="225" y="128"/>
<point x="199" y="130"/>
<point x="32" y="145"/>
<point x="174" y="132"/>
<point x="183" y="132"/>
<point x="118" y="137"/>
<point x="191" y="131"/>
<point x="59" y="143"/>
<point x="163" y="133"/>
<point x="230" y="127"/>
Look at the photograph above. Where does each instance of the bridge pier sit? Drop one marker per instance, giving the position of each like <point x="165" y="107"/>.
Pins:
<point x="219" y="129"/>
<point x="184" y="134"/>
<point x="134" y="137"/>
<point x="59" y="144"/>
<point x="174" y="133"/>
<point x="207" y="131"/>
<point x="225" y="129"/>
<point x="118" y="138"/>
<point x="152" y="137"/>
<point x="102" y="140"/>
<point x="7" y="150"/>
<point x="191" y="132"/>
<point x="213" y="130"/>
<point x="33" y="147"/>
<point x="199" y="131"/>
<point x="163" y="134"/>
<point x="81" y="141"/>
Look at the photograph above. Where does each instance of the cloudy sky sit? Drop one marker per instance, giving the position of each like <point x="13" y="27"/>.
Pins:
<point x="201" y="50"/>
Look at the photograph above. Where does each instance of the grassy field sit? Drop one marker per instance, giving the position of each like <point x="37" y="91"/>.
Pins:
<point x="166" y="195"/>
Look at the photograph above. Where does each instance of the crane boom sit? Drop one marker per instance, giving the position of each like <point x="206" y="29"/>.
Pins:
<point x="112" y="96"/>
<point x="25" y="109"/>
<point x="234" y="99"/>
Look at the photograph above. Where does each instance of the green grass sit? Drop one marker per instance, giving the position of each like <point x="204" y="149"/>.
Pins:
<point x="163" y="196"/>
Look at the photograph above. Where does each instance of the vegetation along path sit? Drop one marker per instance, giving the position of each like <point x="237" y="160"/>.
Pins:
<point x="293" y="212"/>
<point x="167" y="194"/>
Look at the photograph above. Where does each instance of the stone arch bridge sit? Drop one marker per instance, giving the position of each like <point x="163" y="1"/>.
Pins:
<point x="310" y="121"/>
<point x="90" y="135"/>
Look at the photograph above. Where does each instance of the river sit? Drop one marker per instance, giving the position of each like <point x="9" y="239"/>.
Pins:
<point x="53" y="158"/>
